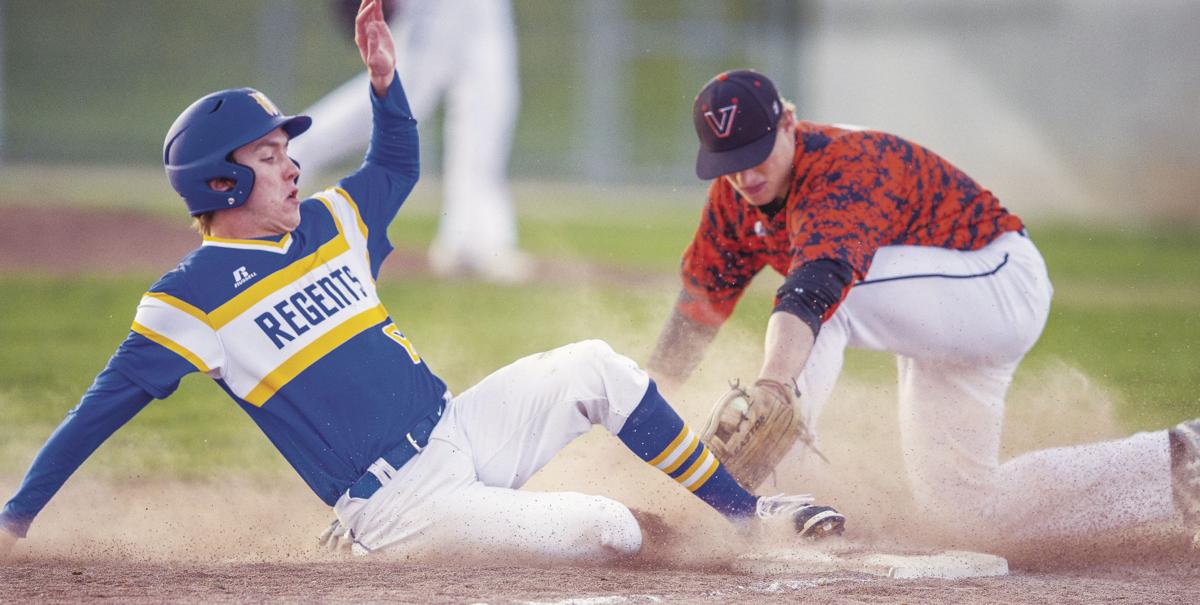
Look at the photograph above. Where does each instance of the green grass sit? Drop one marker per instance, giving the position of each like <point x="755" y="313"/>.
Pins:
<point x="1126" y="312"/>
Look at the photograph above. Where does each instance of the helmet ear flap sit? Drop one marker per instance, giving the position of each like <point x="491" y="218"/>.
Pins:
<point x="240" y="175"/>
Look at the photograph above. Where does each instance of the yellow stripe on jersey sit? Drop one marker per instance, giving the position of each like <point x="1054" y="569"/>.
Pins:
<point x="698" y="473"/>
<point x="175" y="347"/>
<point x="180" y="305"/>
<point x="281" y="244"/>
<point x="354" y="206"/>
<point x="338" y="223"/>
<point x="310" y="354"/>
<point x="268" y="285"/>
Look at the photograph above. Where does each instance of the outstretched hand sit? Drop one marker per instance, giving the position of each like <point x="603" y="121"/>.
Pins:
<point x="336" y="538"/>
<point x="374" y="41"/>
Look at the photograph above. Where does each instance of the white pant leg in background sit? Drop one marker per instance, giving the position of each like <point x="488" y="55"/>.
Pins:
<point x="342" y="119"/>
<point x="459" y="496"/>
<point x="478" y="221"/>
<point x="960" y="322"/>
<point x="464" y="53"/>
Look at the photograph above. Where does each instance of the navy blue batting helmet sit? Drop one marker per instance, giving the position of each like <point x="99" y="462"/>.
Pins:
<point x="201" y="142"/>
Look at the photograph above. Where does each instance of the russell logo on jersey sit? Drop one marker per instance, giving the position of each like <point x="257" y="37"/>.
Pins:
<point x="241" y="275"/>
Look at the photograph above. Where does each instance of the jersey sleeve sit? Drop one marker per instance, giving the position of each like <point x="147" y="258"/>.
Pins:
<point x="111" y="401"/>
<point x="715" y="268"/>
<point x="850" y="211"/>
<point x="169" y="339"/>
<point x="375" y="192"/>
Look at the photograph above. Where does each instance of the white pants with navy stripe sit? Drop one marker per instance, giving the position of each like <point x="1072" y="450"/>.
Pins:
<point x="959" y="323"/>
<point x="459" y="496"/>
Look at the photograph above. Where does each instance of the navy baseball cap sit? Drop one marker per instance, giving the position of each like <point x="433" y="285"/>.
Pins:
<point x="735" y="114"/>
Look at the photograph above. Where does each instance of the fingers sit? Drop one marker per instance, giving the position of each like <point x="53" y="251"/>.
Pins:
<point x="375" y="45"/>
<point x="336" y="538"/>
<point x="371" y="11"/>
<point x="331" y="536"/>
<point x="325" y="535"/>
<point x="366" y="14"/>
<point x="364" y="10"/>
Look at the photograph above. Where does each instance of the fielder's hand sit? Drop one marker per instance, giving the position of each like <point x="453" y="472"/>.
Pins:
<point x="336" y="538"/>
<point x="7" y="541"/>
<point x="751" y="429"/>
<point x="375" y="45"/>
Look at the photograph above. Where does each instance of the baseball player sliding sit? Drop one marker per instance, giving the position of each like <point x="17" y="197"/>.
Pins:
<point x="884" y="245"/>
<point x="279" y="306"/>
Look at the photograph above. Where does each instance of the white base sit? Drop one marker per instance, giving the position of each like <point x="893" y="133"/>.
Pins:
<point x="949" y="564"/>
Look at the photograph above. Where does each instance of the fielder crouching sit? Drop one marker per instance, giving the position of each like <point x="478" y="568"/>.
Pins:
<point x="279" y="306"/>
<point x="884" y="245"/>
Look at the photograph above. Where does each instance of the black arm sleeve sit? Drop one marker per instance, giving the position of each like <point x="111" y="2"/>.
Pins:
<point x="813" y="290"/>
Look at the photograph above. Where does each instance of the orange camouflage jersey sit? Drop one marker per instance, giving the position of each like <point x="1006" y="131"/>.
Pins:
<point x="852" y="192"/>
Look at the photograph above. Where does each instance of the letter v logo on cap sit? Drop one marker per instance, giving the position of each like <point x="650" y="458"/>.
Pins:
<point x="723" y="126"/>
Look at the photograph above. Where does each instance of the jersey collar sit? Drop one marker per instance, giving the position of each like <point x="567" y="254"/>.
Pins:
<point x="266" y="244"/>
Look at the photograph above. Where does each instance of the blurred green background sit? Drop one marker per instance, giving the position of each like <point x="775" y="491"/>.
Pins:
<point x="102" y="80"/>
<point x="1058" y="105"/>
<point x="1088" y="132"/>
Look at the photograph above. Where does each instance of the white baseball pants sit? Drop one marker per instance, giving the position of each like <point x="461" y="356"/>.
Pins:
<point x="959" y="323"/>
<point x="463" y="52"/>
<point x="458" y="497"/>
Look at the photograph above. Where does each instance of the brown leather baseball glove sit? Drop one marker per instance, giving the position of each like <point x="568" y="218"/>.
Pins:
<point x="751" y="429"/>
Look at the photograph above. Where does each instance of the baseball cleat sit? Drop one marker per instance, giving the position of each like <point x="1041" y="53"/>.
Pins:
<point x="817" y="522"/>
<point x="811" y="521"/>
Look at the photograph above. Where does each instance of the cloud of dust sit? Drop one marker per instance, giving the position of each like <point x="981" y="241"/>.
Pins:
<point x="228" y="520"/>
<point x="1052" y="405"/>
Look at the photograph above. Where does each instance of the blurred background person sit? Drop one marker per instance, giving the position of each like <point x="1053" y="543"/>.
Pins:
<point x="461" y="54"/>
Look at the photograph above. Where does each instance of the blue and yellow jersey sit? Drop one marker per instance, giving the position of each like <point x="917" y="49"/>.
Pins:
<point x="294" y="331"/>
<point x="291" y="327"/>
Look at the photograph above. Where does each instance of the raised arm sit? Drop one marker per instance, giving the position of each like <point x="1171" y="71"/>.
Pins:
<point x="375" y="45"/>
<point x="392" y="164"/>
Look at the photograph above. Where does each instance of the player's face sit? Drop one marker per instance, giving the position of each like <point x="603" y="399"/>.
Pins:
<point x="771" y="179"/>
<point x="273" y="206"/>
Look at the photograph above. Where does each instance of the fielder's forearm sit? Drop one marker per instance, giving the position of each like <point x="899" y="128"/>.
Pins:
<point x="680" y="348"/>
<point x="789" y="342"/>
